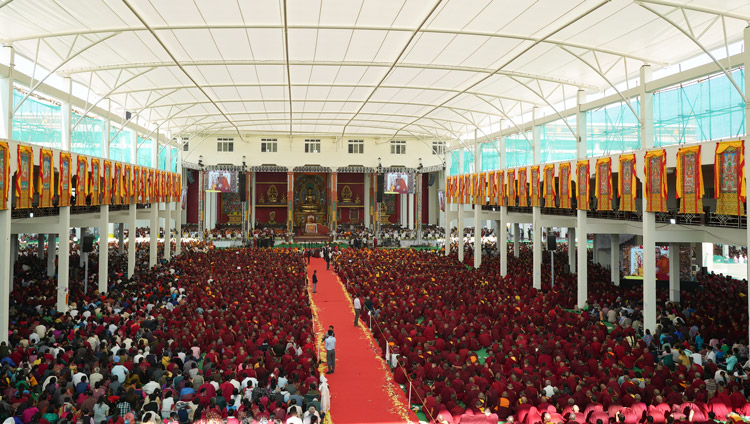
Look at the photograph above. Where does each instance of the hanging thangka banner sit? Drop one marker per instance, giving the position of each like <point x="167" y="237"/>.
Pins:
<point x="127" y="184"/>
<point x="490" y="188"/>
<point x="82" y="180"/>
<point x="656" y="181"/>
<point x="65" y="188"/>
<point x="604" y="184"/>
<point x="534" y="186"/>
<point x="548" y="191"/>
<point x="449" y="189"/>
<point x="4" y="174"/>
<point x="46" y="178"/>
<point x="627" y="188"/>
<point x="481" y="189"/>
<point x="563" y="186"/>
<point x="461" y="189"/>
<point x="583" y="177"/>
<point x="117" y="185"/>
<point x="511" y="187"/>
<point x="500" y="188"/>
<point x="522" y="188"/>
<point x="690" y="180"/>
<point x="107" y="189"/>
<point x="95" y="178"/>
<point x="24" y="180"/>
<point x="729" y="178"/>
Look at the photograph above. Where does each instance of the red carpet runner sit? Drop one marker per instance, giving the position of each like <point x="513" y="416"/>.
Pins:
<point x="362" y="390"/>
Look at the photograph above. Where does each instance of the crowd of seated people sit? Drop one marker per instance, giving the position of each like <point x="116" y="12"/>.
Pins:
<point x="211" y="336"/>
<point x="477" y="347"/>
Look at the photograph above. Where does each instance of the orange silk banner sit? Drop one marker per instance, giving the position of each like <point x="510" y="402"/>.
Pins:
<point x="46" y="178"/>
<point x="563" y="186"/>
<point x="604" y="184"/>
<point x="65" y="187"/>
<point x="94" y="186"/>
<point x="500" y="188"/>
<point x="548" y="191"/>
<point x="534" y="184"/>
<point x="82" y="183"/>
<point x="583" y="189"/>
<point x="689" y="185"/>
<point x="512" y="189"/>
<point x="4" y="174"/>
<point x="24" y="177"/>
<point x="626" y="185"/>
<point x="523" y="188"/>
<point x="127" y="181"/>
<point x="107" y="189"/>
<point x="117" y="194"/>
<point x="656" y="180"/>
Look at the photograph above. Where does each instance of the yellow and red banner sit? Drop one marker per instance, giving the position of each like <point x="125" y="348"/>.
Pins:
<point x="24" y="177"/>
<point x="128" y="182"/>
<point x="534" y="184"/>
<point x="107" y="189"/>
<point x="604" y="184"/>
<point x="65" y="188"/>
<point x="500" y="188"/>
<point x="656" y="180"/>
<point x="94" y="185"/>
<point x="46" y="178"/>
<point x="4" y="174"/>
<point x="583" y="189"/>
<point x="563" y="186"/>
<point x="523" y="188"/>
<point x="511" y="187"/>
<point x="548" y="190"/>
<point x="117" y="194"/>
<point x="480" y="196"/>
<point x="729" y="178"/>
<point x="627" y="187"/>
<point x="689" y="185"/>
<point x="137" y="184"/>
<point x="82" y="180"/>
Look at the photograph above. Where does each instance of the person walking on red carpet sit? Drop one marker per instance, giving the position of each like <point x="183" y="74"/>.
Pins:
<point x="330" y="343"/>
<point x="357" y="310"/>
<point x="315" y="281"/>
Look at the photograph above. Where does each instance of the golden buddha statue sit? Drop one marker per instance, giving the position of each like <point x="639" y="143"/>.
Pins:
<point x="357" y="200"/>
<point x="273" y="194"/>
<point x="310" y="202"/>
<point x="346" y="194"/>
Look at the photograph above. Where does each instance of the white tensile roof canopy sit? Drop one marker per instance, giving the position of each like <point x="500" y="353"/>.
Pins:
<point x="427" y="68"/>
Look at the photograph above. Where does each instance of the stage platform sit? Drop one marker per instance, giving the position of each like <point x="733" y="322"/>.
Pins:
<point x="313" y="238"/>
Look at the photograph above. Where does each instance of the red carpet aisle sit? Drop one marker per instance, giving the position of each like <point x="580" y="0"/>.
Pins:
<point x="362" y="390"/>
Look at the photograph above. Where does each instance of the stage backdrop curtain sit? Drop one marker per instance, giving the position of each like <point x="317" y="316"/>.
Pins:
<point x="549" y="186"/>
<point x="511" y="187"/>
<point x="534" y="185"/>
<point x="65" y="188"/>
<point x="46" y="178"/>
<point x="4" y="174"/>
<point x="627" y="187"/>
<point x="583" y="193"/>
<point x="563" y="186"/>
<point x="656" y="180"/>
<point x="689" y="185"/>
<point x="24" y="177"/>
<point x="604" y="184"/>
<point x="729" y="178"/>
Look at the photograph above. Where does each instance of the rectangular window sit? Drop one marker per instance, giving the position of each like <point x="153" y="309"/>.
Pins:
<point x="438" y="147"/>
<point x="356" y="146"/>
<point x="185" y="145"/>
<point x="398" y="147"/>
<point x="269" y="145"/>
<point x="225" y="145"/>
<point x="312" y="145"/>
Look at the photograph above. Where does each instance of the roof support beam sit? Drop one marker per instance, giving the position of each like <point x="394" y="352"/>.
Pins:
<point x="541" y="96"/>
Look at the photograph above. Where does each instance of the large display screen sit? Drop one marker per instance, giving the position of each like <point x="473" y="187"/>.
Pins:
<point x="399" y="183"/>
<point x="223" y="181"/>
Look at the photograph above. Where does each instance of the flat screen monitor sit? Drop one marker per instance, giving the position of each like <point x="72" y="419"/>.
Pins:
<point x="399" y="183"/>
<point x="223" y="181"/>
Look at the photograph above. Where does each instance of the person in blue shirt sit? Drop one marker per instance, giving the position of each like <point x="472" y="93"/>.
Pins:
<point x="732" y="360"/>
<point x="330" y="343"/>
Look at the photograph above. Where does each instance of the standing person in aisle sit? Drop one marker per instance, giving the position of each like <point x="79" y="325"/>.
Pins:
<point x="357" y="310"/>
<point x="330" y="343"/>
<point x="315" y="281"/>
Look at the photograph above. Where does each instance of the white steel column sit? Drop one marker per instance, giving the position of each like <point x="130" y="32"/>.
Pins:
<point x="516" y="239"/>
<point x="581" y="254"/>
<point x="178" y="229"/>
<point x="103" y="248"/>
<point x="477" y="207"/>
<point x="411" y="208"/>
<point x="6" y="276"/>
<point x="674" y="272"/>
<point x="614" y="258"/>
<point x="153" y="235"/>
<point x="131" y="239"/>
<point x="367" y="219"/>
<point x="6" y="95"/>
<point x="536" y="215"/>
<point x="67" y="116"/>
<point x="460" y="210"/>
<point x="746" y="37"/>
<point x="51" y="253"/>
<point x="447" y="238"/>
<point x="63" y="259"/>
<point x="168" y="231"/>
<point x="572" y="249"/>
<point x="649" y="218"/>
<point x="502" y="241"/>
